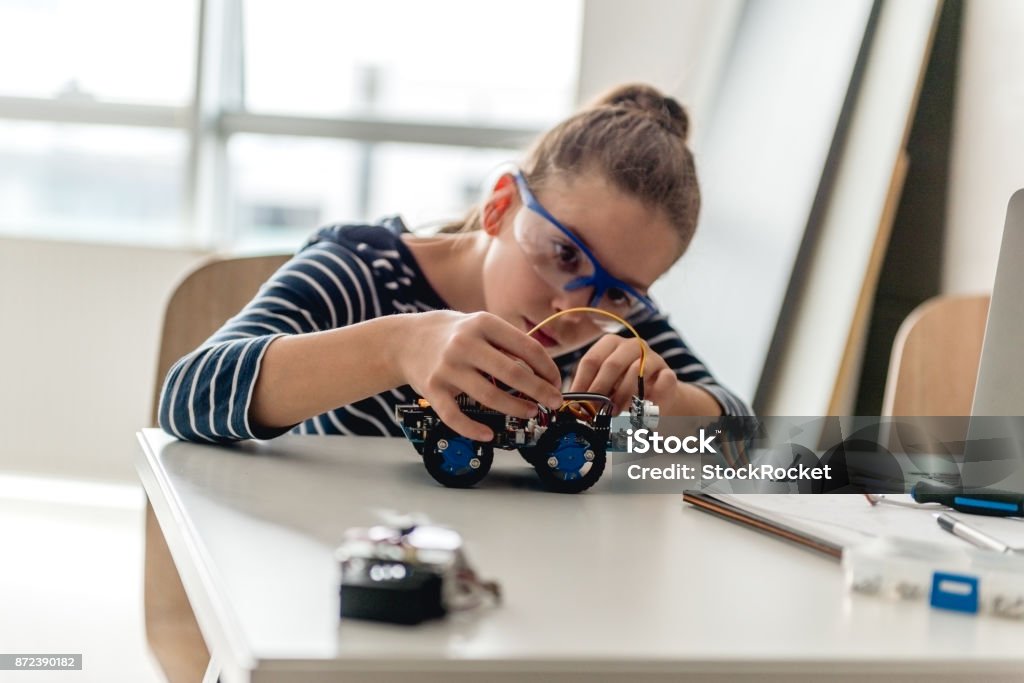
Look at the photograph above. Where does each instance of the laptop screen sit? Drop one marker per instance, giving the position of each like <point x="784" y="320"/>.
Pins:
<point x="994" y="456"/>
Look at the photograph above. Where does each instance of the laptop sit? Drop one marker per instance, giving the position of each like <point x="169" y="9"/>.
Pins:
<point x="993" y="455"/>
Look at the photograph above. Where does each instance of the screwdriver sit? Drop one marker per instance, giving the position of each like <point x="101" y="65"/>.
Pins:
<point x="992" y="502"/>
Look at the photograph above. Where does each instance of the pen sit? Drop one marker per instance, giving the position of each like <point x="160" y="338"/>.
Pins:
<point x="971" y="534"/>
<point x="990" y="502"/>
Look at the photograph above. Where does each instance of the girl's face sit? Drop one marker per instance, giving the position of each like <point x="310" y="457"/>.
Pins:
<point x="634" y="243"/>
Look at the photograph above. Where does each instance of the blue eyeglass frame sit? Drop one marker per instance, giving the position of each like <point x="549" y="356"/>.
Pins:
<point x="601" y="280"/>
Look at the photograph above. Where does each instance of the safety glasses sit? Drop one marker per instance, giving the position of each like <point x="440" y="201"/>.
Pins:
<point x="562" y="260"/>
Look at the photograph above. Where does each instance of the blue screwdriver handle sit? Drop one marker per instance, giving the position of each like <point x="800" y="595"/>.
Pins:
<point x="991" y="502"/>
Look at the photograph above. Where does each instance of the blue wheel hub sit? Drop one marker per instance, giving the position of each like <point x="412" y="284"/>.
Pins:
<point x="456" y="454"/>
<point x="569" y="453"/>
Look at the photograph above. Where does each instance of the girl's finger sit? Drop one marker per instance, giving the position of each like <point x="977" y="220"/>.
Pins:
<point x="516" y="375"/>
<point x="482" y="390"/>
<point x="626" y="388"/>
<point x="592" y="361"/>
<point x="514" y="341"/>
<point x="663" y="386"/>
<point x="613" y="368"/>
<point x="448" y="412"/>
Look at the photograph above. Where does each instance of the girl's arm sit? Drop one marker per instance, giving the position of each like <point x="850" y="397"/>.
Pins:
<point x="208" y="393"/>
<point x="439" y="353"/>
<point x="316" y="337"/>
<point x="304" y="375"/>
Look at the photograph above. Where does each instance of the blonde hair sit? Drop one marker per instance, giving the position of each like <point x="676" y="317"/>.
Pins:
<point x="633" y="135"/>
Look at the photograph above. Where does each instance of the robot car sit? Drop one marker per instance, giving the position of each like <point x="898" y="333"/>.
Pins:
<point x="567" y="447"/>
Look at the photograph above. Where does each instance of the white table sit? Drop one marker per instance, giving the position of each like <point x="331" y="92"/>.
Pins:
<point x="598" y="587"/>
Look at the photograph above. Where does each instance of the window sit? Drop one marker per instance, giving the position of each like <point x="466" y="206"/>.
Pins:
<point x="313" y="111"/>
<point x="91" y="182"/>
<point x="445" y="60"/>
<point x="283" y="186"/>
<point x="110" y="50"/>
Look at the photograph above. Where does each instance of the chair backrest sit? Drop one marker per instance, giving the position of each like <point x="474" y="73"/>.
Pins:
<point x="204" y="300"/>
<point x="935" y="357"/>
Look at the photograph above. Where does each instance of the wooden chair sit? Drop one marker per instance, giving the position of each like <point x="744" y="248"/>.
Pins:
<point x="201" y="303"/>
<point x="935" y="357"/>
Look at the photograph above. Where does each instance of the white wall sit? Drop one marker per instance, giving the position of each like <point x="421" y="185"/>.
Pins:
<point x="987" y="163"/>
<point x="80" y="326"/>
<point x="678" y="46"/>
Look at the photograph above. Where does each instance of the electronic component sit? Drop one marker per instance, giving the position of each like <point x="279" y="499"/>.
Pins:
<point x="567" y="447"/>
<point x="407" y="575"/>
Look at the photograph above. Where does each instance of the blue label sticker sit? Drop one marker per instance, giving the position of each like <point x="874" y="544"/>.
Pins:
<point x="955" y="591"/>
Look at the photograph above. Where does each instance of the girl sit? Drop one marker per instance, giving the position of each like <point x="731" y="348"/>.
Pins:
<point x="366" y="317"/>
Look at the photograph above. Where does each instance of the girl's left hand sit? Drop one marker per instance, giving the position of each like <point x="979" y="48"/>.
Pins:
<point x="611" y="365"/>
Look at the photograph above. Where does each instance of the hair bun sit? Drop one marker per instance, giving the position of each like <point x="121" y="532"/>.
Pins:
<point x="650" y="101"/>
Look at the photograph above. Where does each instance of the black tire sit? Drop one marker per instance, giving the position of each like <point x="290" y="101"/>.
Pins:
<point x="448" y="457"/>
<point x="530" y="454"/>
<point x="567" y="443"/>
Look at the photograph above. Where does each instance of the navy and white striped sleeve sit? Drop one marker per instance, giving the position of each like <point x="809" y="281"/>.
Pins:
<point x="667" y="343"/>
<point x="207" y="394"/>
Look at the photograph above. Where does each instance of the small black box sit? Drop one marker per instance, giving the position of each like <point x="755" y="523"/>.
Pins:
<point x="391" y="591"/>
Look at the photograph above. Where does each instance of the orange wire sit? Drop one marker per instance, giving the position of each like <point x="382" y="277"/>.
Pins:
<point x="587" y="309"/>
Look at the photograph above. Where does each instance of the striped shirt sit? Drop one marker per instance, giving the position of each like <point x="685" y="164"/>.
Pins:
<point x="341" y="276"/>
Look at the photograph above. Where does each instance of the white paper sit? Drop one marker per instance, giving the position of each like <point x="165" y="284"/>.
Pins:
<point x="849" y="519"/>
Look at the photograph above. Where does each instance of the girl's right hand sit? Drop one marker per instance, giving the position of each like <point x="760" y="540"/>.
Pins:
<point x="451" y="353"/>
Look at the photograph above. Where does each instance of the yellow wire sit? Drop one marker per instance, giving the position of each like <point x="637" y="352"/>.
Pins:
<point x="587" y="309"/>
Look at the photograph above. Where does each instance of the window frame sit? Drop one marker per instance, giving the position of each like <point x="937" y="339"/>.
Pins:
<point x="216" y="112"/>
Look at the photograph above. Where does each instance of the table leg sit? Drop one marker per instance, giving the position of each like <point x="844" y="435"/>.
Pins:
<point x="171" y="627"/>
<point x="212" y="672"/>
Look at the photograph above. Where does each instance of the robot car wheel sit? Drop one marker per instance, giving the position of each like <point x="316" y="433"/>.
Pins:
<point x="455" y="461"/>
